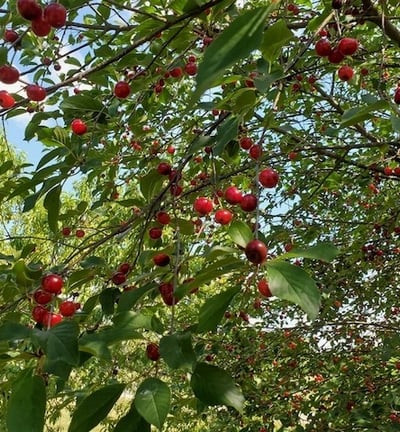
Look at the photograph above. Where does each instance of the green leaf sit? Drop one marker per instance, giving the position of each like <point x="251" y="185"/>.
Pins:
<point x="177" y="351"/>
<point x="240" y="233"/>
<point x="132" y="422"/>
<point x="226" y="133"/>
<point x="81" y="102"/>
<point x="128" y="299"/>
<point x="358" y="114"/>
<point x="214" y="386"/>
<point x="152" y="401"/>
<point x="292" y="283"/>
<point x="95" y="407"/>
<point x="324" y="251"/>
<point x="243" y="36"/>
<point x="275" y="38"/>
<point x="27" y="404"/>
<point x="150" y="184"/>
<point x="14" y="331"/>
<point x="213" y="310"/>
<point x="52" y="204"/>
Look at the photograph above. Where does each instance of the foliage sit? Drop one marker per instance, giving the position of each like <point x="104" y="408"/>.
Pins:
<point x="181" y="338"/>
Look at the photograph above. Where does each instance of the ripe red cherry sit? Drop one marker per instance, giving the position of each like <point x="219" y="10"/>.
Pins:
<point x="52" y="283"/>
<point x="176" y="72"/>
<point x="163" y="218"/>
<point x="66" y="231"/>
<point x="233" y="195"/>
<point x="323" y="47"/>
<point x="29" y="9"/>
<point x="203" y="206"/>
<point x="396" y="96"/>
<point x="164" y="168"/>
<point x="122" y="89"/>
<point x="245" y="143"/>
<point x="8" y="74"/>
<point x="38" y="313"/>
<point x="191" y="68"/>
<point x="155" y="233"/>
<point x="68" y="308"/>
<point x="55" y="14"/>
<point x="124" y="268"/>
<point x="256" y="251"/>
<point x="40" y="27"/>
<point x="167" y="293"/>
<point x="161" y="259"/>
<point x="345" y="73"/>
<point x="335" y="56"/>
<point x="347" y="46"/>
<point x="268" y="178"/>
<point x="80" y="233"/>
<point x="255" y="151"/>
<point x="6" y="100"/>
<point x="249" y="202"/>
<point x="223" y="216"/>
<point x="118" y="278"/>
<point x="51" y="319"/>
<point x="152" y="351"/>
<point x="263" y="288"/>
<point x="42" y="297"/>
<point x="78" y="127"/>
<point x="10" y="35"/>
<point x="35" y="92"/>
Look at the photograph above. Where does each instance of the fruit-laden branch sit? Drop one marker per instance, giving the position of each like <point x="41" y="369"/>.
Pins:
<point x="374" y="16"/>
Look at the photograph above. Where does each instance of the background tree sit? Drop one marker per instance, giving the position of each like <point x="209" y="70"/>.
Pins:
<point x="210" y="238"/>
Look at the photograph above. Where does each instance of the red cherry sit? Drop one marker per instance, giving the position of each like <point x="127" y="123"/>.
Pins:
<point x="66" y="231"/>
<point x="249" y="202"/>
<point x="80" y="233"/>
<point x="347" y="46"/>
<point x="176" y="72"/>
<point x="163" y="218"/>
<point x="233" y="195"/>
<point x="256" y="251"/>
<point x="323" y="47"/>
<point x="245" y="143"/>
<point x="8" y="74"/>
<point x="396" y="96"/>
<point x="164" y="168"/>
<point x="203" y="206"/>
<point x="124" y="268"/>
<point x="122" y="89"/>
<point x="223" y="216"/>
<point x="155" y="233"/>
<point x="29" y="9"/>
<point x="52" y="283"/>
<point x="78" y="127"/>
<point x="51" y="319"/>
<point x="335" y="56"/>
<point x="152" y="351"/>
<point x="167" y="293"/>
<point x="192" y="59"/>
<point x="118" y="278"/>
<point x="40" y="27"/>
<point x="42" y="297"/>
<point x="10" y="35"/>
<point x="68" y="308"/>
<point x="35" y="92"/>
<point x="345" y="73"/>
<point x="6" y="100"/>
<point x="255" y="151"/>
<point x="292" y="155"/>
<point x="191" y="68"/>
<point x="268" y="178"/>
<point x="263" y="288"/>
<point x="55" y="14"/>
<point x="171" y="149"/>
<point x="38" y="313"/>
<point x="161" y="259"/>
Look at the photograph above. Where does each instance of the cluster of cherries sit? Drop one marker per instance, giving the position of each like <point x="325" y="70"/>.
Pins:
<point x="345" y="47"/>
<point x="42" y="313"/>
